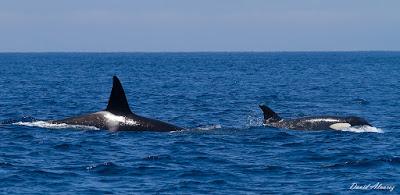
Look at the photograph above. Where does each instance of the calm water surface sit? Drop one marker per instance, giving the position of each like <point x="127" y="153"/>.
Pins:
<point x="215" y="96"/>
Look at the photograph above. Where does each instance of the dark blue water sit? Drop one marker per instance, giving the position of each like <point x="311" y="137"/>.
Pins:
<point x="215" y="96"/>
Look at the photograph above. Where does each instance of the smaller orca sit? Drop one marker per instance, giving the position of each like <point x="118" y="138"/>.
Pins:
<point x="311" y="123"/>
<point x="118" y="116"/>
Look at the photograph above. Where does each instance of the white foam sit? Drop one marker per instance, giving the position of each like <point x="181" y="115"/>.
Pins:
<point x="207" y="128"/>
<point x="44" y="124"/>
<point x="254" y="121"/>
<point x="363" y="129"/>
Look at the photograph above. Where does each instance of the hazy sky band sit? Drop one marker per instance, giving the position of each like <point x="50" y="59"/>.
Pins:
<point x="188" y="25"/>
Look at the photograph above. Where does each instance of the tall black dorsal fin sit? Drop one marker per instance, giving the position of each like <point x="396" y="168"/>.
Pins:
<point x="118" y="104"/>
<point x="268" y="113"/>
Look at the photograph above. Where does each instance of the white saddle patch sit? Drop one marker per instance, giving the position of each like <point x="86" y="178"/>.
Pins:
<point x="323" y="120"/>
<point x="340" y="126"/>
<point x="113" y="121"/>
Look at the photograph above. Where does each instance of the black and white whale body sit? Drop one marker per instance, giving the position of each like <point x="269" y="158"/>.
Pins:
<point x="118" y="116"/>
<point x="311" y="123"/>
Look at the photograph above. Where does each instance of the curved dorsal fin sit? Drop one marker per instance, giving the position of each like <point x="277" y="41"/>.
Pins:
<point x="118" y="104"/>
<point x="268" y="113"/>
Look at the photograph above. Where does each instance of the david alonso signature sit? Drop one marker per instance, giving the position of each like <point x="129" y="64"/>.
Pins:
<point x="376" y="186"/>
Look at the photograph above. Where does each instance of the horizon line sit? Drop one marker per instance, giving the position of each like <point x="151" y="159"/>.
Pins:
<point x="203" y="51"/>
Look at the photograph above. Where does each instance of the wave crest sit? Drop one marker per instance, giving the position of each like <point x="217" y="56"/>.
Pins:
<point x="48" y="125"/>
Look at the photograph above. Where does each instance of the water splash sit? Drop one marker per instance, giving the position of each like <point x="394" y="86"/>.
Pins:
<point x="363" y="129"/>
<point x="210" y="127"/>
<point x="45" y="124"/>
<point x="254" y="121"/>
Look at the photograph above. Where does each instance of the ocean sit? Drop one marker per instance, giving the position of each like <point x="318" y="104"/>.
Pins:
<point x="224" y="148"/>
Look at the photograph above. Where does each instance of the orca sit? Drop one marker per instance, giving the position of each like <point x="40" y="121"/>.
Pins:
<point x="311" y="123"/>
<point x="118" y="116"/>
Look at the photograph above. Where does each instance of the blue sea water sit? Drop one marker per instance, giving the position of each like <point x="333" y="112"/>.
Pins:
<point x="225" y="148"/>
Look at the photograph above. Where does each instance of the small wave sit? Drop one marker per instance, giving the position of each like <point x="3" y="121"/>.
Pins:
<point x="157" y="157"/>
<point x="105" y="164"/>
<point x="210" y="127"/>
<point x="281" y="135"/>
<point x="44" y="124"/>
<point x="19" y="119"/>
<point x="5" y="164"/>
<point x="106" y="168"/>
<point x="48" y="173"/>
<point x="360" y="101"/>
<point x="363" y="129"/>
<point x="195" y="173"/>
<point x="66" y="146"/>
<point x="217" y="182"/>
<point x="365" y="163"/>
<point x="62" y="146"/>
<point x="293" y="144"/>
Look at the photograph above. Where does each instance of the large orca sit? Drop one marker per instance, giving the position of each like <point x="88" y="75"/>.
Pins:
<point x="118" y="116"/>
<point x="311" y="123"/>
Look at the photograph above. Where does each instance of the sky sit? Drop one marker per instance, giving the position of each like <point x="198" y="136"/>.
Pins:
<point x="198" y="25"/>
